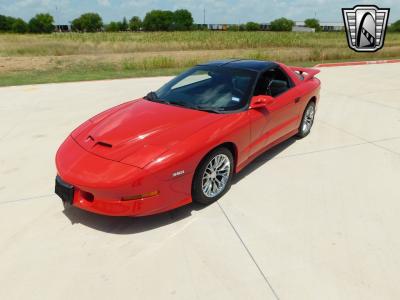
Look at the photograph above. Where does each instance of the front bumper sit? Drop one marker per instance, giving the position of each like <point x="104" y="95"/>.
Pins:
<point x="114" y="207"/>
<point x="100" y="184"/>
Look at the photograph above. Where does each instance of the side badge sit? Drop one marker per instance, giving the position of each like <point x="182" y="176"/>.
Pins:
<point x="178" y="173"/>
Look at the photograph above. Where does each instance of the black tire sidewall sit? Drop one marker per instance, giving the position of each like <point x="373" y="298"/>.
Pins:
<point x="197" y="192"/>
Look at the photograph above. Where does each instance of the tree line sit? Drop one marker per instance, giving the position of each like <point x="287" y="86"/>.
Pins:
<point x="41" y="23"/>
<point x="155" y="20"/>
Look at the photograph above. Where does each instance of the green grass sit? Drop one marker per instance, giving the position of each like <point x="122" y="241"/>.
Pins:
<point x="87" y="74"/>
<point x="59" y="44"/>
<point x="26" y="59"/>
<point x="38" y="77"/>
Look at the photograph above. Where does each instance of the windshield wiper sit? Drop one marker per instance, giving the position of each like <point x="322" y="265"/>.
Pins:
<point x="208" y="109"/>
<point x="152" y="96"/>
<point x="178" y="103"/>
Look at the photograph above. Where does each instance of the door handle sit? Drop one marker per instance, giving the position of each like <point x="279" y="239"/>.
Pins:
<point x="297" y="100"/>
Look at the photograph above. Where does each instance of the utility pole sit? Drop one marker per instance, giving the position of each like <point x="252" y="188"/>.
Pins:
<point x="204" y="16"/>
<point x="56" y="17"/>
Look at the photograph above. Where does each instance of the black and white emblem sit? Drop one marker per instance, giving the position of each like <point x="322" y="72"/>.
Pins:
<point x="365" y="27"/>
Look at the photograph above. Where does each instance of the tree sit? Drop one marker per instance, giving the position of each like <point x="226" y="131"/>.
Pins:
<point x="252" y="26"/>
<point x="282" y="24"/>
<point x="395" y="27"/>
<point x="20" y="26"/>
<point x="123" y="26"/>
<point x="76" y="25"/>
<point x="233" y="27"/>
<point x="313" y="23"/>
<point x="3" y="23"/>
<point x="41" y="23"/>
<point x="89" y="22"/>
<point x="158" y="20"/>
<point x="6" y="23"/>
<point x="113" y="27"/>
<point x="135" y="23"/>
<point x="182" y="20"/>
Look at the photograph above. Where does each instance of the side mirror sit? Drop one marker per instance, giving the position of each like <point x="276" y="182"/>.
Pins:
<point x="260" y="101"/>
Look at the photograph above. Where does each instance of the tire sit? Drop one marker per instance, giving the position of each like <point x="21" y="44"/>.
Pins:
<point x="307" y="120"/>
<point x="205" y="187"/>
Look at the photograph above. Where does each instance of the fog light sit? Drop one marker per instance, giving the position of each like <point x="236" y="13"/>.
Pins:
<point x="87" y="196"/>
<point x="141" y="196"/>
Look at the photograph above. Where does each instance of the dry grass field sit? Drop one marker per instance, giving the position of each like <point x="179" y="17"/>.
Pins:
<point x="86" y="56"/>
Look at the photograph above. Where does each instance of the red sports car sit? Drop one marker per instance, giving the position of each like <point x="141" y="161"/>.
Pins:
<point x="185" y="141"/>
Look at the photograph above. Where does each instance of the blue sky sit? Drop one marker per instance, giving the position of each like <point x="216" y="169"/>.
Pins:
<point x="217" y="11"/>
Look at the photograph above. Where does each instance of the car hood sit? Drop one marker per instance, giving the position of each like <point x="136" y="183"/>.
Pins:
<point x="138" y="132"/>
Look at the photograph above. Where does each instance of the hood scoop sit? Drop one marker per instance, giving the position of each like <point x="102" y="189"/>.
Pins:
<point x="147" y="152"/>
<point x="141" y="131"/>
<point x="103" y="144"/>
<point x="92" y="142"/>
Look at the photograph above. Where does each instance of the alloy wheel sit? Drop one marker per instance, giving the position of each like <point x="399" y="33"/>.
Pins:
<point x="216" y="175"/>
<point x="308" y="118"/>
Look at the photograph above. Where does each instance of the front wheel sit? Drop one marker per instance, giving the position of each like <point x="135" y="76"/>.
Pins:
<point x="213" y="176"/>
<point x="307" y="121"/>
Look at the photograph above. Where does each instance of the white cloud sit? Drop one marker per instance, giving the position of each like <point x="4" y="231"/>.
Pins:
<point x="104" y="2"/>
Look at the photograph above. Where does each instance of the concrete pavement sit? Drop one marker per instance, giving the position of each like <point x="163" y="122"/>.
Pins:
<point x="311" y="219"/>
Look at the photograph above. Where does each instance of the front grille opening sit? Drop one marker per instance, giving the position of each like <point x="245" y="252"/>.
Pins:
<point x="87" y="196"/>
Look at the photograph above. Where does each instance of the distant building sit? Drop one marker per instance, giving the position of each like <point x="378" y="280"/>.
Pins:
<point x="332" y="26"/>
<point x="299" y="27"/>
<point x="325" y="26"/>
<point x="62" y="28"/>
<point x="200" y="26"/>
<point x="302" y="29"/>
<point x="222" y="27"/>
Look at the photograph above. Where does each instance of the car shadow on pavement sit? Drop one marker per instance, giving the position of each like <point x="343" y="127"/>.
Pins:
<point x="133" y="225"/>
<point x="129" y="225"/>
<point x="263" y="158"/>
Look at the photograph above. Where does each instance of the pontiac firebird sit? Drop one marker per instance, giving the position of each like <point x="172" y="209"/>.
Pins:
<point x="185" y="141"/>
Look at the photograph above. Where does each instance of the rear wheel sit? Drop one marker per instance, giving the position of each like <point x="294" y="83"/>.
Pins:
<point x="307" y="121"/>
<point x="213" y="176"/>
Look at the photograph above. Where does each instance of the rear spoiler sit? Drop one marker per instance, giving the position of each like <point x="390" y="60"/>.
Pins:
<point x="307" y="73"/>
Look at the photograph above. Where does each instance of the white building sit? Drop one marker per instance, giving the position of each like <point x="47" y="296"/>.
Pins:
<point x="302" y="29"/>
<point x="326" y="26"/>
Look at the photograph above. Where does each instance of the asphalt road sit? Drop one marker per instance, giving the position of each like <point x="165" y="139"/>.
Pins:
<point x="316" y="218"/>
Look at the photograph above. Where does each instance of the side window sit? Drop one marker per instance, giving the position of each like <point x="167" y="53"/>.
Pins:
<point x="273" y="83"/>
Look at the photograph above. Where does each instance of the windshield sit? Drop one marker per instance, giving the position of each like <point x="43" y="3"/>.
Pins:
<point x="208" y="88"/>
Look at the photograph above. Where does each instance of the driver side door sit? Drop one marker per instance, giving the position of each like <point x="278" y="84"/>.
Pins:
<point x="279" y="116"/>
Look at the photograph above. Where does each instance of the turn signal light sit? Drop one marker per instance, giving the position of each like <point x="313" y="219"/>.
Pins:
<point x="141" y="196"/>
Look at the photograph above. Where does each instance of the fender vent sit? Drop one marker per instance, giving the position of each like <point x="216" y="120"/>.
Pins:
<point x="103" y="144"/>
